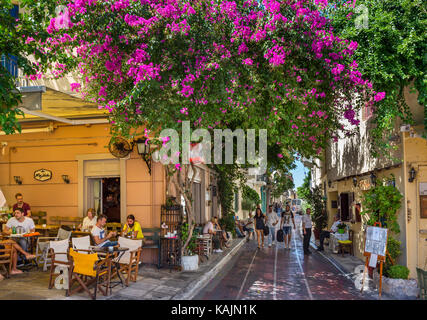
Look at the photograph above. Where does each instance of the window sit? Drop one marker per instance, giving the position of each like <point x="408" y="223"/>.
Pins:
<point x="9" y="62"/>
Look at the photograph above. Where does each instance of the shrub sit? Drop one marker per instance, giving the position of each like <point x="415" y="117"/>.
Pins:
<point x="398" y="272"/>
<point x="228" y="224"/>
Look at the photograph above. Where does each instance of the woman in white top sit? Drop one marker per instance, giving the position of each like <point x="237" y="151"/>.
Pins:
<point x="89" y="221"/>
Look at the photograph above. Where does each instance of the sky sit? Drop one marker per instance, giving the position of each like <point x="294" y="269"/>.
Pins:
<point x="298" y="174"/>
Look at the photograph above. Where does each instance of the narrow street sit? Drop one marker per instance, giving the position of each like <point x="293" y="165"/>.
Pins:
<point x="277" y="273"/>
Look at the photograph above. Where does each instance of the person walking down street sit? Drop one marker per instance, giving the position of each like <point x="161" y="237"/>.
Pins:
<point x="259" y="226"/>
<point x="306" y="229"/>
<point x="285" y="224"/>
<point x="272" y="222"/>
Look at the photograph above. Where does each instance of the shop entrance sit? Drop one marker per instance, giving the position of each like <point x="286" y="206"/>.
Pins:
<point x="104" y="197"/>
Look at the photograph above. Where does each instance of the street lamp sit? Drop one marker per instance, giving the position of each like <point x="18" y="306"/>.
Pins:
<point x="412" y="174"/>
<point x="66" y="178"/>
<point x="354" y="181"/>
<point x="18" y="179"/>
<point x="329" y="183"/>
<point x="144" y="152"/>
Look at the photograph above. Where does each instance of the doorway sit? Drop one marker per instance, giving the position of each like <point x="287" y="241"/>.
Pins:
<point x="104" y="197"/>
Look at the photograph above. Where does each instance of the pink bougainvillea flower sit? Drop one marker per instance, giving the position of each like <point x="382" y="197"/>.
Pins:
<point x="379" y="96"/>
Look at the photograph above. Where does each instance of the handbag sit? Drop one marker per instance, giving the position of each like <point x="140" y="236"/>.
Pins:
<point x="280" y="235"/>
<point x="266" y="230"/>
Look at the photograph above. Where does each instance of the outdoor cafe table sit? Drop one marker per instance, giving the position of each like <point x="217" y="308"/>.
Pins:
<point x="334" y="238"/>
<point x="116" y="261"/>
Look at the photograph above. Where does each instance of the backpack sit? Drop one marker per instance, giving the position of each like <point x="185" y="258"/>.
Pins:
<point x="279" y="235"/>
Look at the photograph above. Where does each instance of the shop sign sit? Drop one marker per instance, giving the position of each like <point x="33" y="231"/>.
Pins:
<point x="365" y="184"/>
<point x="42" y="175"/>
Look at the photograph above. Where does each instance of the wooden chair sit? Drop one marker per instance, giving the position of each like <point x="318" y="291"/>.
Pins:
<point x="39" y="217"/>
<point x="87" y="269"/>
<point x="130" y="260"/>
<point x="82" y="244"/>
<point x="204" y="246"/>
<point x="346" y="245"/>
<point x="422" y="283"/>
<point x="58" y="255"/>
<point x="152" y="241"/>
<point x="6" y="255"/>
<point x="114" y="226"/>
<point x="42" y="246"/>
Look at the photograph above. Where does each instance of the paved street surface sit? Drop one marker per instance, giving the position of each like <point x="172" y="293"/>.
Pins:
<point x="277" y="273"/>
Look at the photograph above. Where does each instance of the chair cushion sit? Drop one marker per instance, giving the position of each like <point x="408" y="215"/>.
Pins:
<point x="345" y="241"/>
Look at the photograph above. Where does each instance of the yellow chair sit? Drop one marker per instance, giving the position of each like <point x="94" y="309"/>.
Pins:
<point x="346" y="245"/>
<point x="86" y="266"/>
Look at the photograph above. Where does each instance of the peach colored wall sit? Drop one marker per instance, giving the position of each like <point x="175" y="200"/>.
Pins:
<point x="57" y="151"/>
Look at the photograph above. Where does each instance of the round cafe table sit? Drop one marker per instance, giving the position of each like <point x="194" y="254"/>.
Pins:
<point x="334" y="238"/>
<point x="116" y="261"/>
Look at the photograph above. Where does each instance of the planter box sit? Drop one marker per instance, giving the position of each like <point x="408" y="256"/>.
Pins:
<point x="190" y="263"/>
<point x="397" y="288"/>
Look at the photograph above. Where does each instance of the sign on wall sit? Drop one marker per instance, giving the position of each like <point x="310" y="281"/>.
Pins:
<point x="42" y="175"/>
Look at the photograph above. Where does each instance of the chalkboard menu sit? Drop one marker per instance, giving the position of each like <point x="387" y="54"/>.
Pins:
<point x="376" y="240"/>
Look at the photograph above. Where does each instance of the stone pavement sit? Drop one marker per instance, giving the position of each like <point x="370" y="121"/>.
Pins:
<point x="151" y="284"/>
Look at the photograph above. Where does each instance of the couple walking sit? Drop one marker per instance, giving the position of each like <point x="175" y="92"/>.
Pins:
<point x="272" y="221"/>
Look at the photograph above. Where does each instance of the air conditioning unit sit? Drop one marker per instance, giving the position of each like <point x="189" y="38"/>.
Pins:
<point x="405" y="128"/>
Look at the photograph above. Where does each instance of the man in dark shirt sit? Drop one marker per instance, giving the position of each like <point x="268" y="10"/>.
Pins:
<point x="21" y="204"/>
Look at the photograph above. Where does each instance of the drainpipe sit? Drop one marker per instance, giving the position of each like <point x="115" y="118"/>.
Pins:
<point x="63" y="120"/>
<point x="48" y="129"/>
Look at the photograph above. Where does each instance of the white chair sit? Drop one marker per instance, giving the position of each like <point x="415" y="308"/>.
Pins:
<point x="58" y="254"/>
<point x="129" y="261"/>
<point x="42" y="247"/>
<point x="81" y="243"/>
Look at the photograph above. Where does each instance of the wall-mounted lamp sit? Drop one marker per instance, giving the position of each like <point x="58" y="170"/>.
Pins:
<point x="329" y="183"/>
<point x="17" y="179"/>
<point x="354" y="181"/>
<point x="144" y="152"/>
<point x="412" y="174"/>
<point x="373" y="179"/>
<point x="66" y="178"/>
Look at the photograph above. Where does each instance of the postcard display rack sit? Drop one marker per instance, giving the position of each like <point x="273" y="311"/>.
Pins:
<point x="170" y="236"/>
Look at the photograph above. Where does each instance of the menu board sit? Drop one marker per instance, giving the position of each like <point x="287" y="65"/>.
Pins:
<point x="376" y="240"/>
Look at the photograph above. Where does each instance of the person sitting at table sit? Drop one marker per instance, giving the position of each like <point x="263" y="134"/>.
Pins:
<point x="98" y="233"/>
<point x="89" y="221"/>
<point x="20" y="220"/>
<point x="249" y="227"/>
<point x="222" y="233"/>
<point x="209" y="229"/>
<point x="239" y="228"/>
<point x="132" y="227"/>
<point x="21" y="204"/>
<point x="6" y="244"/>
<point x="327" y="234"/>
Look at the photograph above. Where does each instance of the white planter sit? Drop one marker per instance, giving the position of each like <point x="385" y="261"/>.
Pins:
<point x="190" y="263"/>
<point x="397" y="288"/>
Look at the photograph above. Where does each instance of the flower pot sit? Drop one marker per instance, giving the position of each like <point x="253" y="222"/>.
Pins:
<point x="190" y="263"/>
<point x="341" y="231"/>
<point x="401" y="289"/>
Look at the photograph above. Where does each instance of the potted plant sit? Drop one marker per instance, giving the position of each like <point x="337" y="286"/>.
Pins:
<point x="316" y="203"/>
<point x="341" y="228"/>
<point x="190" y="259"/>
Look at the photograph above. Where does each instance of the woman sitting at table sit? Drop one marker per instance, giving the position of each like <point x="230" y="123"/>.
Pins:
<point x="132" y="228"/>
<point x="89" y="221"/>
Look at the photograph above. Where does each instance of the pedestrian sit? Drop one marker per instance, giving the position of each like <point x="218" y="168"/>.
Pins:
<point x="306" y="229"/>
<point x="285" y="225"/>
<point x="272" y="221"/>
<point x="249" y="227"/>
<point x="259" y="226"/>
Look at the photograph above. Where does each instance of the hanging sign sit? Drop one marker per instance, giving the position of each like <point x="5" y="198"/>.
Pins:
<point x="42" y="175"/>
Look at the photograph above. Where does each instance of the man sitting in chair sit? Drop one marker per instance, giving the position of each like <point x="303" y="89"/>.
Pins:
<point x="98" y="233"/>
<point x="133" y="228"/>
<point x="26" y="225"/>
<point x="327" y="234"/>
